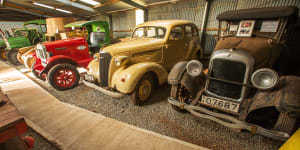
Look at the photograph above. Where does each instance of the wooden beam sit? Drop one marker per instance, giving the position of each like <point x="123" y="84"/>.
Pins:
<point x="107" y="3"/>
<point x="134" y="4"/>
<point x="24" y="9"/>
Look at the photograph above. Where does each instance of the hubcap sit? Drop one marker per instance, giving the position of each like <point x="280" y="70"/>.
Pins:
<point x="64" y="77"/>
<point x="145" y="90"/>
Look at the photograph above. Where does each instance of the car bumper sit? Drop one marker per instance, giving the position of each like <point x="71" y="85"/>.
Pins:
<point x="89" y="81"/>
<point x="231" y="123"/>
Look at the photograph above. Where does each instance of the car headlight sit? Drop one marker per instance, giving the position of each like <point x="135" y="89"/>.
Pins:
<point x="121" y="60"/>
<point x="96" y="56"/>
<point x="265" y="79"/>
<point x="194" y="68"/>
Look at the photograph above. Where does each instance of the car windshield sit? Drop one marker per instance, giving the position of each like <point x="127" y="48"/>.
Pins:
<point x="149" y="32"/>
<point x="20" y="33"/>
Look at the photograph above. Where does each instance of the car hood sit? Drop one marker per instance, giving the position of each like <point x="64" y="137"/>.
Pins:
<point x="63" y="43"/>
<point x="133" y="45"/>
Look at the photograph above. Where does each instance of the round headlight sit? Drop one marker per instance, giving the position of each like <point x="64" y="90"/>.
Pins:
<point x="265" y="79"/>
<point x="194" y="68"/>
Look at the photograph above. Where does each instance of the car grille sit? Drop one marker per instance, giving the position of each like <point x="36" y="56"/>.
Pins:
<point x="104" y="61"/>
<point x="41" y="52"/>
<point x="230" y="71"/>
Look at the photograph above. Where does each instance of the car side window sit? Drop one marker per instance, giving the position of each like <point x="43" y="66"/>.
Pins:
<point x="160" y="33"/>
<point x="176" y="33"/>
<point x="188" y="31"/>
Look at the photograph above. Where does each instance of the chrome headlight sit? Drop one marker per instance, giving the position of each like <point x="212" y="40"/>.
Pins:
<point x="194" y="68"/>
<point x="265" y="79"/>
<point x="121" y="60"/>
<point x="96" y="56"/>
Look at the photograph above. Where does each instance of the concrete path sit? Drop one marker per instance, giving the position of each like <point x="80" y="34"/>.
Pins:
<point x="71" y="127"/>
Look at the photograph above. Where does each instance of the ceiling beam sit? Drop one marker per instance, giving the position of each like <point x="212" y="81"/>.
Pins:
<point x="134" y="4"/>
<point x="107" y="3"/>
<point x="25" y="10"/>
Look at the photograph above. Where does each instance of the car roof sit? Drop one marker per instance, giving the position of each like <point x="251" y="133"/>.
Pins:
<point x="165" y="23"/>
<point x="85" y="23"/>
<point x="259" y="13"/>
<point x="40" y="21"/>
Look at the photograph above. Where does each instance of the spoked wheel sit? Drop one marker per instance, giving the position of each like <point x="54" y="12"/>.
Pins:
<point x="3" y="54"/>
<point x="285" y="123"/>
<point x="143" y="90"/>
<point x="63" y="77"/>
<point x="12" y="56"/>
<point x="174" y="93"/>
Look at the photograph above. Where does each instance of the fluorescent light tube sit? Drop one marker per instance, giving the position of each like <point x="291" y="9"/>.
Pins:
<point x="65" y="11"/>
<point x="42" y="5"/>
<point x="91" y="2"/>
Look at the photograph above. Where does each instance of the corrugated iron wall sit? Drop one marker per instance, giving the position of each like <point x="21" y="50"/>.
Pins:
<point x="7" y="26"/>
<point x="193" y="10"/>
<point x="124" y="22"/>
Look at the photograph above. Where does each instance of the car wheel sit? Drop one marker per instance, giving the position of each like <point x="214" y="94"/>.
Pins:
<point x="12" y="56"/>
<point x="63" y="77"/>
<point x="143" y="89"/>
<point x="174" y="94"/>
<point x="35" y="74"/>
<point x="285" y="123"/>
<point x="3" y="55"/>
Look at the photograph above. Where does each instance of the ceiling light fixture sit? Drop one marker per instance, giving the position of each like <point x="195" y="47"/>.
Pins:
<point x="65" y="11"/>
<point x="43" y="5"/>
<point x="91" y="2"/>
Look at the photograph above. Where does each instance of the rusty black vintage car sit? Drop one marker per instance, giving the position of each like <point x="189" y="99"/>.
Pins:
<point x="247" y="84"/>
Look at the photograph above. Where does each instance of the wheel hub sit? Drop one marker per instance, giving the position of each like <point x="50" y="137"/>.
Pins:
<point x="145" y="90"/>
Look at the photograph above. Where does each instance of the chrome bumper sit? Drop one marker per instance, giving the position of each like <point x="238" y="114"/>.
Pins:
<point x="105" y="91"/>
<point x="231" y="123"/>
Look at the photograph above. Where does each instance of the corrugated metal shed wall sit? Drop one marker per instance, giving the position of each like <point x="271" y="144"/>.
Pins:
<point x="187" y="10"/>
<point x="193" y="10"/>
<point x="123" y="21"/>
<point x="7" y="26"/>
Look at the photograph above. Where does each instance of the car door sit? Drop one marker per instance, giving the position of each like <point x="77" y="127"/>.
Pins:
<point x="174" y="49"/>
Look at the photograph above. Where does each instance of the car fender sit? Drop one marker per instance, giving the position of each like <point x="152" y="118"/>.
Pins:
<point x="177" y="72"/>
<point x="58" y="59"/>
<point x="133" y="73"/>
<point x="285" y="98"/>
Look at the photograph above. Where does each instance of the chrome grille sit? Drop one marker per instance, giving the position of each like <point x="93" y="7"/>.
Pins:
<point x="104" y="61"/>
<point x="41" y="52"/>
<point x="229" y="71"/>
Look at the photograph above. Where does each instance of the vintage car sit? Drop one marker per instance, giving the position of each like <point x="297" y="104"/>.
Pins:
<point x="136" y="66"/>
<point x="58" y="60"/>
<point x="23" y="37"/>
<point x="240" y="89"/>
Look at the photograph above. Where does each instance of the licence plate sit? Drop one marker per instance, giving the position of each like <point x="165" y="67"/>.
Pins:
<point x="89" y="78"/>
<point x="221" y="104"/>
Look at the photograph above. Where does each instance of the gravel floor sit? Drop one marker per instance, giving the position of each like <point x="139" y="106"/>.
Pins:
<point x="159" y="117"/>
<point x="40" y="142"/>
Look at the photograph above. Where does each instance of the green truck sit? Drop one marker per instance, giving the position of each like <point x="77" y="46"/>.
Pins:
<point x="22" y="38"/>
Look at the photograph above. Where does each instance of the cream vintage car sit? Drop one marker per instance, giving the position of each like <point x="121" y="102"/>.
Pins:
<point x="136" y="66"/>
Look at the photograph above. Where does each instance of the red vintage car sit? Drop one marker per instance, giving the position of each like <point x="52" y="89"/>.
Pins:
<point x="58" y="60"/>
